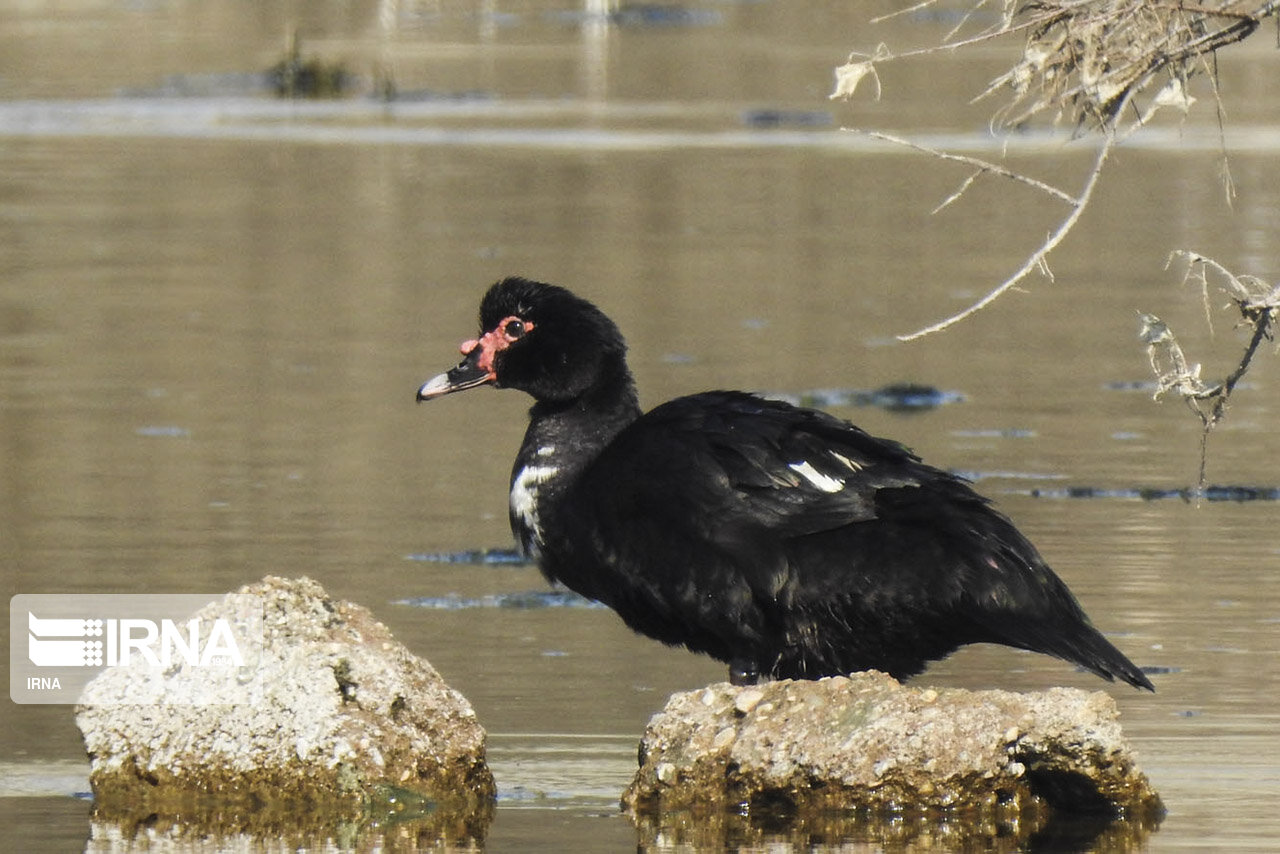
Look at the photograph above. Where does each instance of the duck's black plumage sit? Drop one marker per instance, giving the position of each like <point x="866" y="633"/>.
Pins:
<point x="781" y="540"/>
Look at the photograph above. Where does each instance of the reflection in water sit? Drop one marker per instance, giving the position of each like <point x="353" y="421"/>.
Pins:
<point x="235" y="832"/>
<point x="674" y="831"/>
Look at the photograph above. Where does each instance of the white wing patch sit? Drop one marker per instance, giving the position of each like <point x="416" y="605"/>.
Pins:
<point x="852" y="466"/>
<point x="824" y="482"/>
<point x="524" y="495"/>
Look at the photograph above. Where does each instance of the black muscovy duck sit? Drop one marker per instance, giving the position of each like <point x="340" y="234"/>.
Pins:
<point x="783" y="541"/>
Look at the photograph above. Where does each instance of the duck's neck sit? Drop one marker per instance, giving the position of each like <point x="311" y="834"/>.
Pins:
<point x="562" y="440"/>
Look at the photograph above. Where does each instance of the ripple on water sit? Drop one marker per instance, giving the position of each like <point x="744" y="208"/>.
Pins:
<point x="560" y="769"/>
<point x="1225" y="492"/>
<point x="52" y="778"/>
<point x="521" y="600"/>
<point x="895" y="397"/>
<point x="478" y="557"/>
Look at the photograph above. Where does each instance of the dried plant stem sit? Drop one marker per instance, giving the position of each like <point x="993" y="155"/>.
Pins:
<point x="983" y="166"/>
<point x="1259" y="307"/>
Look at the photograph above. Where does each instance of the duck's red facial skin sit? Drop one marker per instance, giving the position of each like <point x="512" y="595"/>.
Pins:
<point x="509" y="330"/>
<point x="477" y="367"/>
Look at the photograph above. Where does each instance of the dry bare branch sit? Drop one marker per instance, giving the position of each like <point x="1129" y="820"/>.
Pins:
<point x="983" y="166"/>
<point x="1088" y="62"/>
<point x="1038" y="260"/>
<point x="1259" y="305"/>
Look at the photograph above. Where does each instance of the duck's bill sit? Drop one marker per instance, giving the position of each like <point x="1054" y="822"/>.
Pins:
<point x="467" y="374"/>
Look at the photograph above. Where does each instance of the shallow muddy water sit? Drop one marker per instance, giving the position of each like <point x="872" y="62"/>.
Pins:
<point x="215" y="307"/>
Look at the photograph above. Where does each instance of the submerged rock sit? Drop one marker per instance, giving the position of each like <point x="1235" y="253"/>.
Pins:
<point x="343" y="722"/>
<point x="867" y="743"/>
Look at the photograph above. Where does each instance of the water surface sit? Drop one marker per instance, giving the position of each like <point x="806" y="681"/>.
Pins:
<point x="215" y="308"/>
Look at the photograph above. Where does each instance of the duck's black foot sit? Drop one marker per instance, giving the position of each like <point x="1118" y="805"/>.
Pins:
<point x="743" y="672"/>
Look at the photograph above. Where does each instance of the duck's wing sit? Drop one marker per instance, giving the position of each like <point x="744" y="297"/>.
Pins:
<point x="738" y="461"/>
<point x="706" y="493"/>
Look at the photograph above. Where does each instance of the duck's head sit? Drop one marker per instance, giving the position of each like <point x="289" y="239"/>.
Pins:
<point x="540" y="339"/>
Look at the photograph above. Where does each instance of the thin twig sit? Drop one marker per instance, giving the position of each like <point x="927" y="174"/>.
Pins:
<point x="979" y="164"/>
<point x="980" y="38"/>
<point x="1261" y="330"/>
<point x="915" y="7"/>
<point x="1037" y="259"/>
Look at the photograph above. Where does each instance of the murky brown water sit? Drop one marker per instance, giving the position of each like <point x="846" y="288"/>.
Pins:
<point x="215" y="308"/>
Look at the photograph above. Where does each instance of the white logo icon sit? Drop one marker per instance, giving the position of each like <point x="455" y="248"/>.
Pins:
<point x="48" y="643"/>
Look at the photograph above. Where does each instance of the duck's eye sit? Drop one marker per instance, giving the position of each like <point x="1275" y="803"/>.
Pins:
<point x="514" y="329"/>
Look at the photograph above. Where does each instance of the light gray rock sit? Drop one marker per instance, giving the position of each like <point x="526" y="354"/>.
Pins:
<point x="345" y="721"/>
<point x="866" y="742"/>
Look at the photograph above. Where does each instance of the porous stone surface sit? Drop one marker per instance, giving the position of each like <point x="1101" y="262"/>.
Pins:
<point x="866" y="742"/>
<point x="343" y="721"/>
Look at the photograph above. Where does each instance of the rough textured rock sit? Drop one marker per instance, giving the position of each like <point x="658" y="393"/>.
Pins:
<point x="866" y="742"/>
<point x="347" y="722"/>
